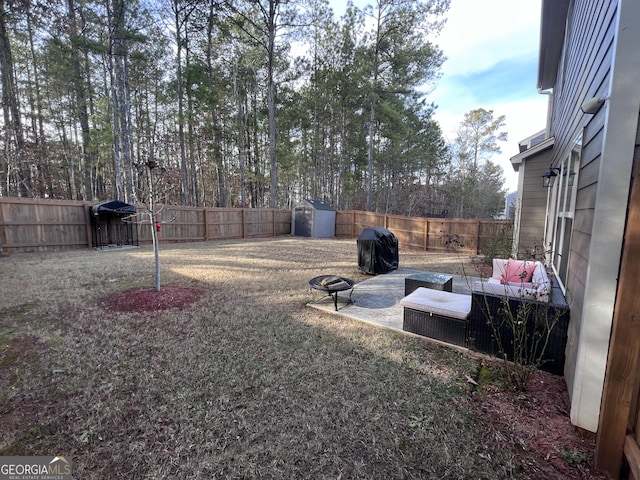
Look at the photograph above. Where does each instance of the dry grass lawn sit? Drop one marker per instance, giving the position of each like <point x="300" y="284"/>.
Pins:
<point x="247" y="382"/>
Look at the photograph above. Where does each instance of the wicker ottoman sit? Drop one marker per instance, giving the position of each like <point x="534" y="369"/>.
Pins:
<point x="437" y="314"/>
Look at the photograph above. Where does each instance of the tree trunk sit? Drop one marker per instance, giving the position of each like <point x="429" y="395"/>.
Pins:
<point x="242" y="126"/>
<point x="44" y="170"/>
<point x="372" y="115"/>
<point x="120" y="99"/>
<point x="11" y="111"/>
<point x="155" y="222"/>
<point x="79" y="94"/>
<point x="192" y="179"/>
<point x="271" y="101"/>
<point x="117" y="159"/>
<point x="123" y="120"/>
<point x="180" y="93"/>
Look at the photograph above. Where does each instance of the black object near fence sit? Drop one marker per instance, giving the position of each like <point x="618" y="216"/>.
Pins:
<point x="113" y="225"/>
<point x="377" y="251"/>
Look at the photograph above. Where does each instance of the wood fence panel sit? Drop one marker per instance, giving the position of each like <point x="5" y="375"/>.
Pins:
<point x="438" y="234"/>
<point x="409" y="231"/>
<point x="258" y="223"/>
<point x="345" y="224"/>
<point x="620" y="407"/>
<point x="28" y="225"/>
<point x="224" y="223"/>
<point x="465" y="237"/>
<point x="364" y="220"/>
<point x="182" y="224"/>
<point x="282" y="222"/>
<point x="490" y="231"/>
<point x="144" y="232"/>
<point x="45" y="224"/>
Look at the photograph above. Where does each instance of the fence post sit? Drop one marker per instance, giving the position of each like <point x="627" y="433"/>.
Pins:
<point x="353" y="224"/>
<point x="426" y="234"/>
<point x="2" y="229"/>
<point x="244" y="224"/>
<point x="87" y="219"/>
<point x="206" y="226"/>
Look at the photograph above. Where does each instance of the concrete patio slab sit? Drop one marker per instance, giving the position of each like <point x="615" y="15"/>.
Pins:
<point x="377" y="300"/>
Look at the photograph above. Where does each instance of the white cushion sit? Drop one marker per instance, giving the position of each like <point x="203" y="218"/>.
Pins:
<point x="499" y="267"/>
<point x="516" y="290"/>
<point x="442" y="303"/>
<point x="540" y="275"/>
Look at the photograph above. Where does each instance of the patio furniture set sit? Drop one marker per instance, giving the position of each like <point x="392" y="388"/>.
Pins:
<point x="478" y="320"/>
<point x="475" y="321"/>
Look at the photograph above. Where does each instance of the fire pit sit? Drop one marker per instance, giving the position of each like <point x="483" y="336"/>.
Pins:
<point x="331" y="285"/>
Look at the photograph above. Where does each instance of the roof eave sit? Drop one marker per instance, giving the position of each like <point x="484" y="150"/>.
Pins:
<point x="516" y="160"/>
<point x="552" y="31"/>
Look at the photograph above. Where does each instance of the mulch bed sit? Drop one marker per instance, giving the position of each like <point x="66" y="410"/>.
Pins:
<point x="149" y="300"/>
<point x="536" y="423"/>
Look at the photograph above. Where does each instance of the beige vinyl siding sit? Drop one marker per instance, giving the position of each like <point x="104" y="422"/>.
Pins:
<point x="533" y="204"/>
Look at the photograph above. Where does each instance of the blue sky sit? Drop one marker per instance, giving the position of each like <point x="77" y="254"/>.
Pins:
<point x="492" y="63"/>
<point x="488" y="86"/>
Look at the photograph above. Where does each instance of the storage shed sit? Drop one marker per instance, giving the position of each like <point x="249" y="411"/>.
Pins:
<point x="110" y="228"/>
<point x="314" y="218"/>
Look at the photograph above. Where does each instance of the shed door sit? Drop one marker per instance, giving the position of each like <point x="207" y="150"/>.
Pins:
<point x="304" y="221"/>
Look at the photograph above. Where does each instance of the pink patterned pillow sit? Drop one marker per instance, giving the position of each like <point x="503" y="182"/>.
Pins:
<point x="517" y="272"/>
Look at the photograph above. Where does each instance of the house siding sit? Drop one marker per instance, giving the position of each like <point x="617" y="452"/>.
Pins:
<point x="602" y="45"/>
<point x="586" y="72"/>
<point x="589" y="55"/>
<point x="589" y="47"/>
<point x="533" y="205"/>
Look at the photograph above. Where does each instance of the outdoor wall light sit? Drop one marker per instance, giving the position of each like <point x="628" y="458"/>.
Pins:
<point x="592" y="105"/>
<point x="572" y="175"/>
<point x="549" y="177"/>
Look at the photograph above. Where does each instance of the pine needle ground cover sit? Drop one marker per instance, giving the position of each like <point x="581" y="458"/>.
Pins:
<point x="231" y="375"/>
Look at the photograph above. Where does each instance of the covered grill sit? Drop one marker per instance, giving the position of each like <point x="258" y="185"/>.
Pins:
<point x="377" y="251"/>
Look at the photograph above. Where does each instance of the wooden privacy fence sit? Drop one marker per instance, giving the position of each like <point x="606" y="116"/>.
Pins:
<point x="42" y="224"/>
<point x="194" y="224"/>
<point x="435" y="234"/>
<point x="28" y="225"/>
<point x="35" y="225"/>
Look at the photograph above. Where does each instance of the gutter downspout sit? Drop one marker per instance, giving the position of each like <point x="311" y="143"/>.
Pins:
<point x="547" y="134"/>
<point x="549" y="92"/>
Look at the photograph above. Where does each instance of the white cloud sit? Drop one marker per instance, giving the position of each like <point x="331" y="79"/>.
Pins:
<point x="524" y="118"/>
<point x="484" y="41"/>
<point x="480" y="38"/>
<point x="473" y="24"/>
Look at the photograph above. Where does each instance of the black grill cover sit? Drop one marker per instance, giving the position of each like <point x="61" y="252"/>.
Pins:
<point x="377" y="251"/>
